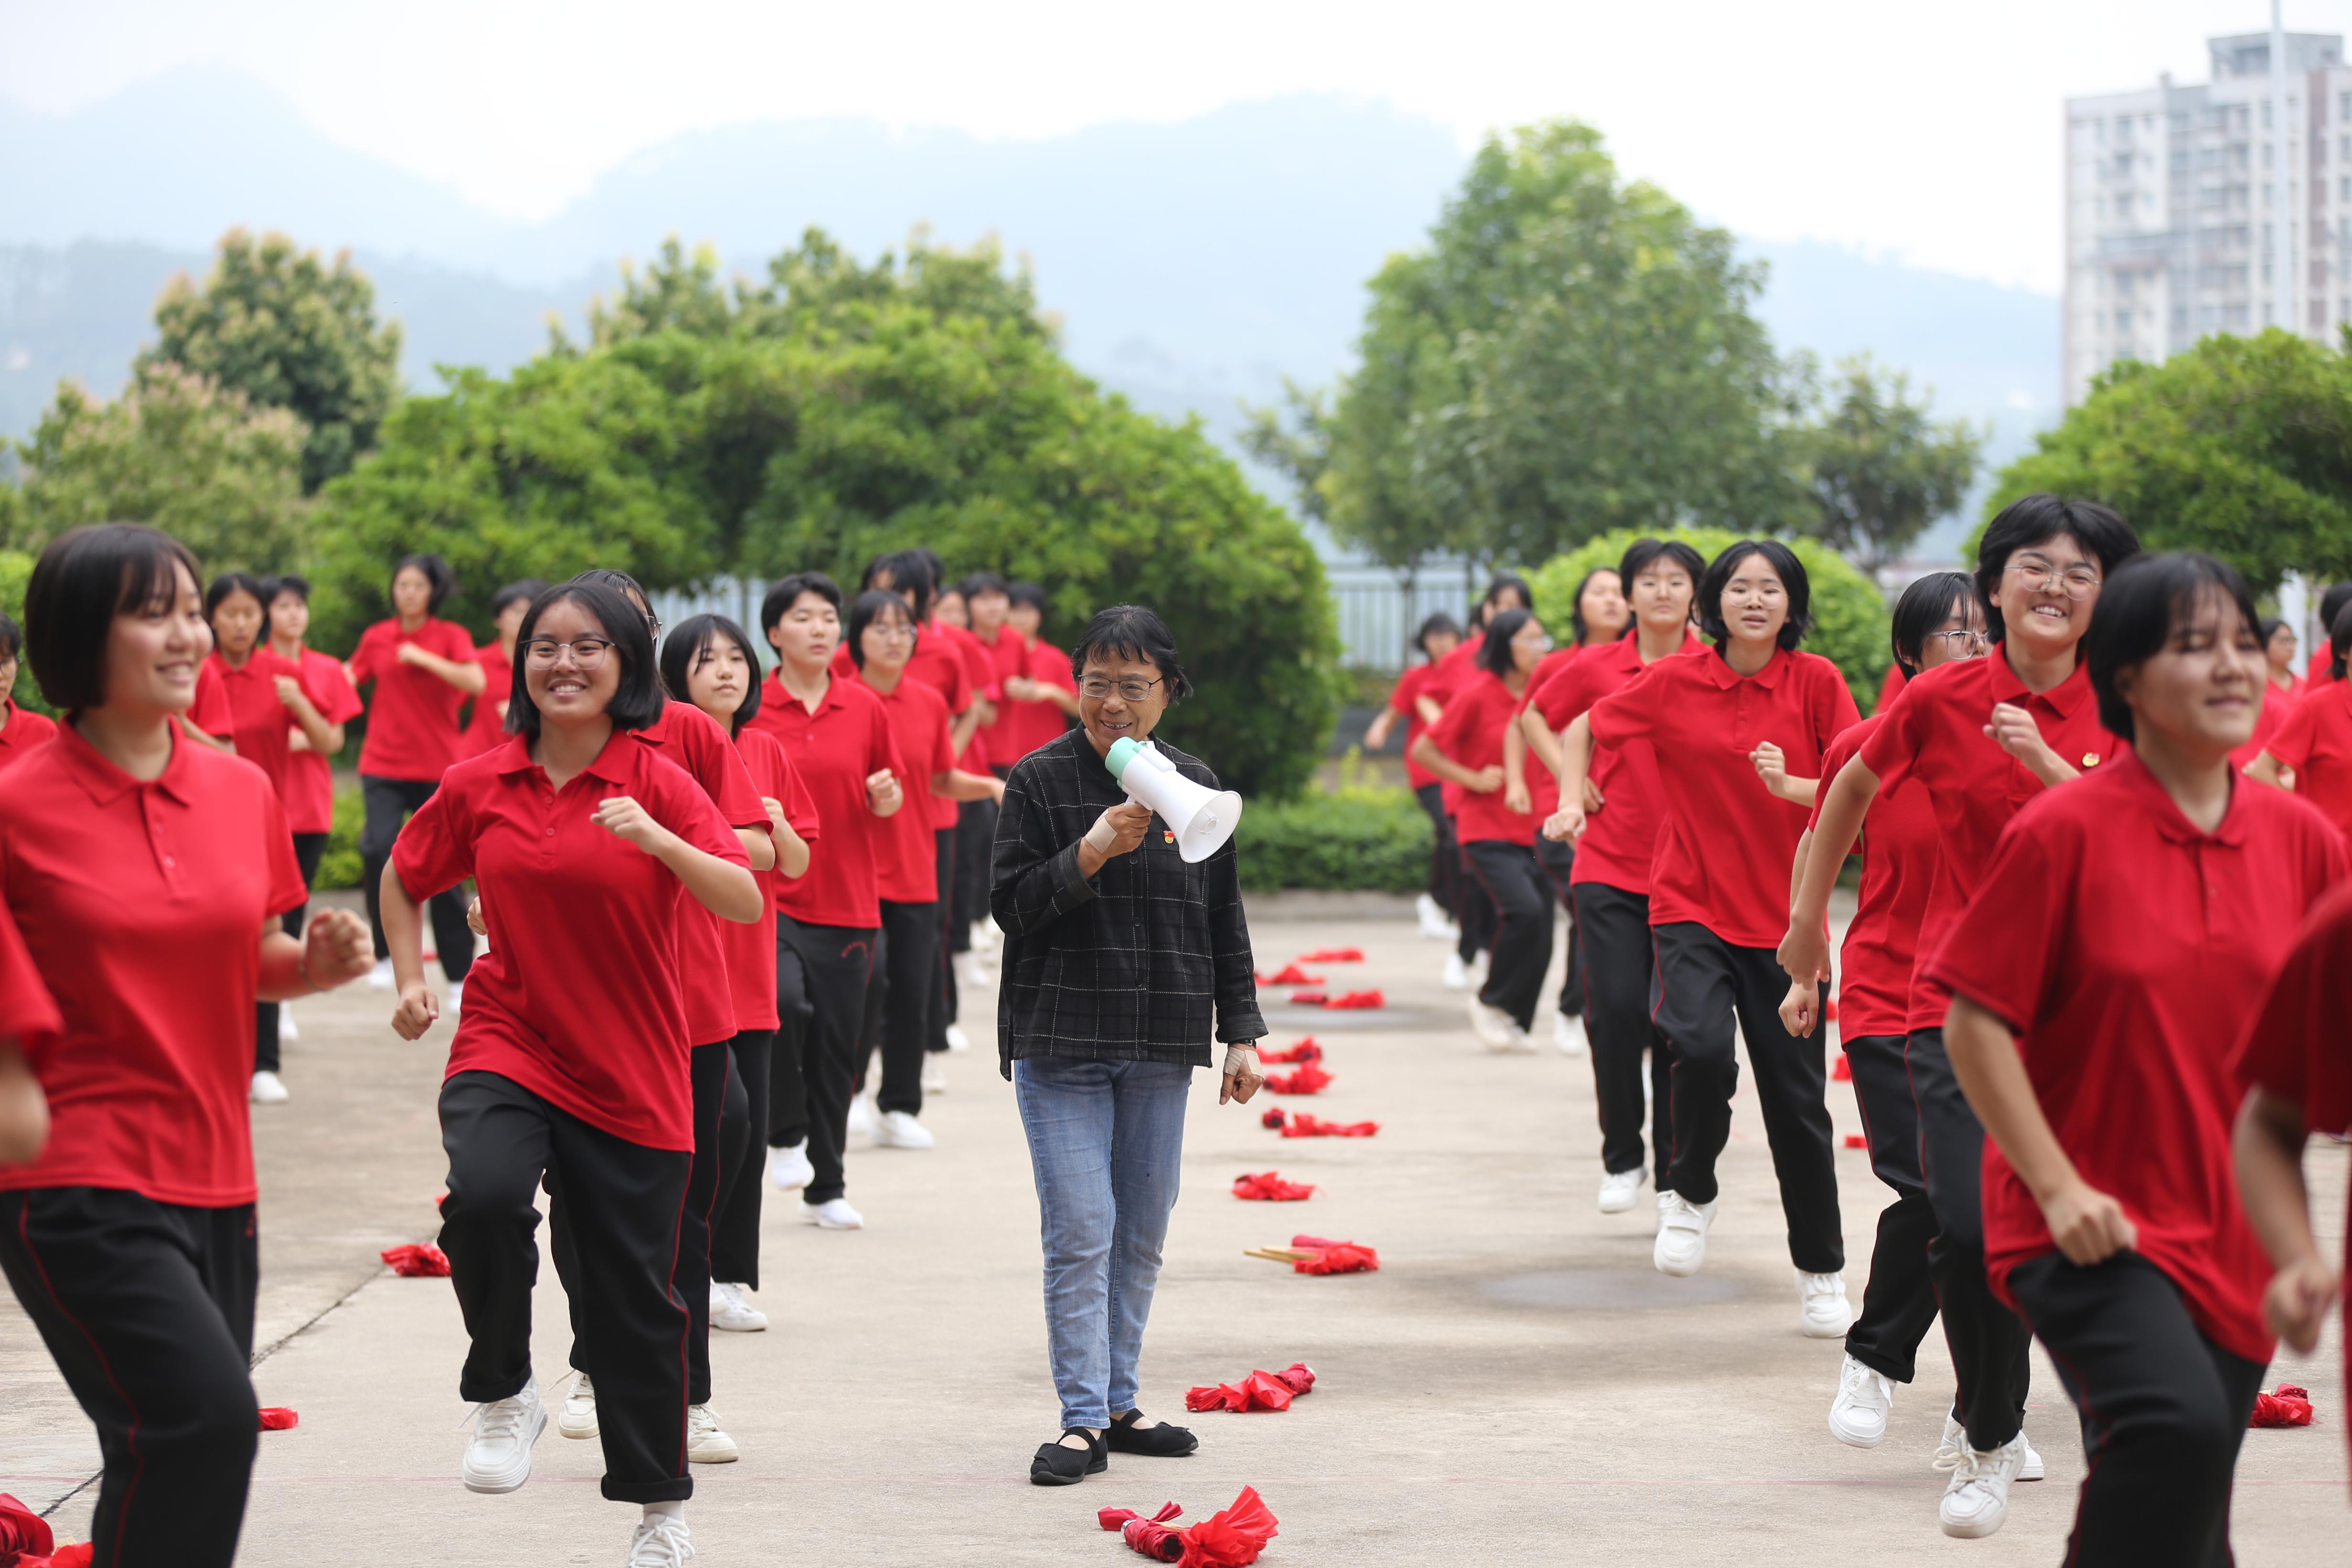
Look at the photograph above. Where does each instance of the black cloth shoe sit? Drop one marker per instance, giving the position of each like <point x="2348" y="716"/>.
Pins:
<point x="1056" y="1465"/>
<point x="1163" y="1442"/>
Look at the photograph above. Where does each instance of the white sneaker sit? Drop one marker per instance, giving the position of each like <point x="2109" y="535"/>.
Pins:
<point x="1498" y="1028"/>
<point x="935" y="1077"/>
<point x="984" y="937"/>
<point x="457" y="995"/>
<point x="287" y="1033"/>
<point x="900" y="1131"/>
<point x="1479" y="967"/>
<point x="863" y="1118"/>
<point x="1858" y="1414"/>
<point x="834" y="1214"/>
<point x="730" y="1311"/>
<point x="661" y="1541"/>
<point x="1458" y="973"/>
<point x="1956" y="1439"/>
<point x="379" y="977"/>
<point x="958" y="1041"/>
<point x="1823" y="1310"/>
<point x="268" y="1089"/>
<point x="973" y="972"/>
<point x="1681" y="1234"/>
<point x="789" y="1166"/>
<point x="578" y="1416"/>
<point x="707" y="1443"/>
<point x="1620" y="1190"/>
<point x="1975" y="1499"/>
<point x="497" y="1456"/>
<point x="1434" y="925"/>
<point x="1568" y="1033"/>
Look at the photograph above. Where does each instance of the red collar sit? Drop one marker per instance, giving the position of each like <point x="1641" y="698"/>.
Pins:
<point x="2167" y="814"/>
<point x="772" y="691"/>
<point x="2062" y="699"/>
<point x="1720" y="672"/>
<point x="106" y="783"/>
<point x="611" y="764"/>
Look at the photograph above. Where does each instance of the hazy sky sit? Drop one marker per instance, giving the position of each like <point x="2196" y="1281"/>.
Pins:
<point x="1931" y="131"/>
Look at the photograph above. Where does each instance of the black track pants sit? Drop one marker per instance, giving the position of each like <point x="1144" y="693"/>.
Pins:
<point x="2164" y="1411"/>
<point x="1898" y="1305"/>
<point x="949" y="916"/>
<point x="1619" y="988"/>
<point x="147" y="1309"/>
<point x="626" y="1203"/>
<point x="1559" y="862"/>
<point x="742" y="1183"/>
<point x="831" y="964"/>
<point x="1521" y="949"/>
<point x="307" y="849"/>
<point x="900" y="993"/>
<point x="1988" y="1344"/>
<point x="390" y="802"/>
<point x="975" y="842"/>
<point x="1444" y="854"/>
<point x="1705" y="983"/>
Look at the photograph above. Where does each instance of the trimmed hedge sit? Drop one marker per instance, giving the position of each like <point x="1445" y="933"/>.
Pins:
<point x="1363" y="837"/>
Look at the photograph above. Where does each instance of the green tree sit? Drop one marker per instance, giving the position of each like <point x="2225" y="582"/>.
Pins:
<point x="16" y="572"/>
<point x="276" y="324"/>
<point x="2241" y="447"/>
<point x="1881" y="469"/>
<point x="1850" y="622"/>
<point x="175" y="450"/>
<point x="1572" y="353"/>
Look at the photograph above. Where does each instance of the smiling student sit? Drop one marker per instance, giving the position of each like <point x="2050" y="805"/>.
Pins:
<point x="1610" y="881"/>
<point x="1938" y="619"/>
<point x="1984" y="737"/>
<point x="2104" y="967"/>
<point x="573" y="1058"/>
<point x="145" y="874"/>
<point x="1739" y="732"/>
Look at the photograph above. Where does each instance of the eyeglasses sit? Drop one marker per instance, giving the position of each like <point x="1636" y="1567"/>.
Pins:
<point x="1532" y="640"/>
<point x="2040" y="577"/>
<point x="893" y="634"/>
<point x="587" y="652"/>
<point x="1130" y="690"/>
<point x="1960" y="644"/>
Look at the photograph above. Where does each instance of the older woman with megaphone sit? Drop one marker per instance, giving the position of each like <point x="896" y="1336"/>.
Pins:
<point x="1124" y="954"/>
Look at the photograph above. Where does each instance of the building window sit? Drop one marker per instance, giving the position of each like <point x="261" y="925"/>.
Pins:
<point x="2123" y="203"/>
<point x="2123" y="321"/>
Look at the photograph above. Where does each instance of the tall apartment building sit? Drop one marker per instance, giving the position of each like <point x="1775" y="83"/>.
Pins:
<point x="2174" y="202"/>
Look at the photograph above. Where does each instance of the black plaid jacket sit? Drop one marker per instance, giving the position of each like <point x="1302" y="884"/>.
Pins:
<point x="1145" y="962"/>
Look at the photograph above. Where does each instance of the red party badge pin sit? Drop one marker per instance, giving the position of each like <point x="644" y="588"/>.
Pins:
<point x="1167" y="836"/>
<point x="2090" y="759"/>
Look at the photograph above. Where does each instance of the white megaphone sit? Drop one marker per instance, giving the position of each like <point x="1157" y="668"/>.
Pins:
<point x="1201" y="818"/>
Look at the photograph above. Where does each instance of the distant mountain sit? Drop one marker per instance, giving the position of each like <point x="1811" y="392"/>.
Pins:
<point x="1193" y="264"/>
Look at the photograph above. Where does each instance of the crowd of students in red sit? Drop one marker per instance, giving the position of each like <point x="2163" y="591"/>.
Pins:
<point x="2090" y="1000"/>
<point x="709" y="897"/>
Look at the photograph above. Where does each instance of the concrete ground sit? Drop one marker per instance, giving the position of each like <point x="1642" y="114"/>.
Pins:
<point x="1517" y="1385"/>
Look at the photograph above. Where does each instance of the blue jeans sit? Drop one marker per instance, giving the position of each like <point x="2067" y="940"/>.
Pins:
<point x="1106" y="1141"/>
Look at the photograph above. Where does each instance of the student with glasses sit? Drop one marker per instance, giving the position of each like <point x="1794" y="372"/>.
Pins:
<point x="1464" y="749"/>
<point x="1984" y="737"/>
<point x="1937" y="621"/>
<point x="1738" y="731"/>
<point x="572" y="1063"/>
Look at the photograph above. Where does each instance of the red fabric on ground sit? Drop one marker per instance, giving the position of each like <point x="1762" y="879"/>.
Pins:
<point x="1345" y="1258"/>
<point x="1272" y="1118"/>
<point x="1305" y="1051"/>
<point x="1333" y="955"/>
<point x="277" y="1418"/>
<point x="1856" y="1141"/>
<point x="1304" y="1126"/>
<point x="1292" y="974"/>
<point x="1267" y="1186"/>
<point x="1231" y="1537"/>
<point x="414" y="1261"/>
<point x="1152" y="1537"/>
<point x="1844" y="1072"/>
<point x="2289" y="1407"/>
<point x="1354" y="1000"/>
<point x="23" y="1532"/>
<point x="1310" y="999"/>
<point x="1310" y="1078"/>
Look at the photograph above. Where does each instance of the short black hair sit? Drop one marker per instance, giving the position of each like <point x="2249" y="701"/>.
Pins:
<point x="2332" y="602"/>
<point x="787" y="592"/>
<point x="1926" y="605"/>
<point x="85" y="579"/>
<point x="12" y="638"/>
<point x="1029" y="593"/>
<point x="637" y="701"/>
<point x="627" y="587"/>
<point x="1783" y="562"/>
<point x="683" y="646"/>
<point x="1494" y="653"/>
<point x="1131" y="632"/>
<point x="863" y="609"/>
<point x="438" y="572"/>
<point x="292" y="583"/>
<point x="2339" y="641"/>
<point x="525" y="588"/>
<point x="911" y="572"/>
<point x="2027" y="521"/>
<point x="229" y="582"/>
<point x="981" y="582"/>
<point x="1642" y="554"/>
<point x="1512" y="581"/>
<point x="2136" y="611"/>
<point x="1439" y="624"/>
<point x="1575" y="603"/>
<point x="2271" y="627"/>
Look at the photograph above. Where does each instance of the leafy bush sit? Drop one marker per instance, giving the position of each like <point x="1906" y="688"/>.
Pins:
<point x="1850" y="614"/>
<point x="16" y="572"/>
<point x="1364" y="836"/>
<point x="341" y="865"/>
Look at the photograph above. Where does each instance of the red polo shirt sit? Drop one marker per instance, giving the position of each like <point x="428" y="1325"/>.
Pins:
<point x="906" y="856"/>
<point x="2315" y="740"/>
<point x="2277" y="703"/>
<point x="752" y="949"/>
<point x="2126" y="950"/>
<point x="142" y="905"/>
<point x="1898" y="869"/>
<point x="23" y="731"/>
<point x="261" y="725"/>
<point x="2321" y="671"/>
<point x="29" y="1014"/>
<point x="835" y="750"/>
<point x="573" y="1002"/>
<point x="412" y="715"/>
<point x="1470" y="734"/>
<point x="309" y="792"/>
<point x="980" y="669"/>
<point x="1037" y="720"/>
<point x="2298" y="1047"/>
<point x="936" y="662"/>
<point x="1935" y="732"/>
<point x="208" y="710"/>
<point x="692" y="739"/>
<point x="486" y="730"/>
<point x="1621" y="839"/>
<point x="1402" y="700"/>
<point x="1723" y="860"/>
<point x="1007" y="656"/>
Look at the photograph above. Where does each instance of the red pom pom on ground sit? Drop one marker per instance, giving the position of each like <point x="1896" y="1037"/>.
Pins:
<point x="1309" y="1079"/>
<point x="414" y="1261"/>
<point x="1267" y="1186"/>
<point x="2288" y="1406"/>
